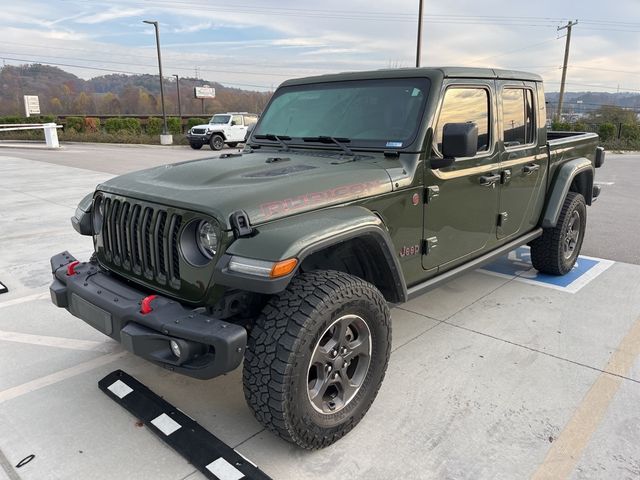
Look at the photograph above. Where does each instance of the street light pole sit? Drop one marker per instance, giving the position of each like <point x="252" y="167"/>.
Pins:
<point x="178" y="90"/>
<point x="419" y="45"/>
<point x="164" y="113"/>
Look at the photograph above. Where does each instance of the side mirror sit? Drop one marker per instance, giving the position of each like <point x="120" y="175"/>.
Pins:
<point x="459" y="140"/>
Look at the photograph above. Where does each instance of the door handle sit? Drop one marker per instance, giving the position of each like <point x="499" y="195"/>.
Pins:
<point x="489" y="180"/>
<point x="529" y="169"/>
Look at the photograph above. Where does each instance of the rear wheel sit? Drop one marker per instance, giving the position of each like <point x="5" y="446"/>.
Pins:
<point x="317" y="356"/>
<point x="557" y="250"/>
<point x="233" y="144"/>
<point x="216" y="142"/>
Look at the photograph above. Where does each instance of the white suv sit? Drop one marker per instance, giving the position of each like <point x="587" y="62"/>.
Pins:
<point x="230" y="128"/>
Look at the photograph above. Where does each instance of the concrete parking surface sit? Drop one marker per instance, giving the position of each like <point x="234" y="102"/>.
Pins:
<point x="490" y="377"/>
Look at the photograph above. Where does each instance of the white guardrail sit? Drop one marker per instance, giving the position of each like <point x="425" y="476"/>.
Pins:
<point x="50" y="131"/>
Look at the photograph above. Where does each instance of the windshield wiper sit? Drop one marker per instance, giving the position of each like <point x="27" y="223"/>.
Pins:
<point x="275" y="138"/>
<point x="340" y="141"/>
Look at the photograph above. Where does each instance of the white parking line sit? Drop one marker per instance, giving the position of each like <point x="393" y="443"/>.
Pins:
<point x="58" y="342"/>
<point x="28" y="298"/>
<point x="56" y="377"/>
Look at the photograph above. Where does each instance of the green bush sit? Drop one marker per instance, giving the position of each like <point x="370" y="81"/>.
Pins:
<point x="174" y="124"/>
<point x="154" y="126"/>
<point x="630" y="131"/>
<point x="15" y="119"/>
<point x="560" y="126"/>
<point x="195" y="121"/>
<point x="131" y="125"/>
<point x="77" y="123"/>
<point x="113" y="125"/>
<point x="607" y="131"/>
<point x="579" y="127"/>
<point x="9" y="119"/>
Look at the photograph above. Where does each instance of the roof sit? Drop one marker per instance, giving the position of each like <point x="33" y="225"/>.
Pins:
<point x="431" y="72"/>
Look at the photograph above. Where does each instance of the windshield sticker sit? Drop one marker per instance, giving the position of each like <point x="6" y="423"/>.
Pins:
<point x="394" y="144"/>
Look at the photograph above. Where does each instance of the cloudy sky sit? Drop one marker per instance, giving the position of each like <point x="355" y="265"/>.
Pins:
<point x="257" y="45"/>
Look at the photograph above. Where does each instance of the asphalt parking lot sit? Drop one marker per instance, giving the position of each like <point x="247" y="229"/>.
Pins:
<point x="500" y="374"/>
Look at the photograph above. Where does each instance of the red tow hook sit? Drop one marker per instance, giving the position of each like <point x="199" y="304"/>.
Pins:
<point x="145" y="306"/>
<point x="71" y="268"/>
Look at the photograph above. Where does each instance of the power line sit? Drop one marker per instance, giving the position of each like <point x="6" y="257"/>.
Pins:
<point x="384" y="14"/>
<point x="605" y="87"/>
<point x="137" y="56"/>
<point x="174" y="67"/>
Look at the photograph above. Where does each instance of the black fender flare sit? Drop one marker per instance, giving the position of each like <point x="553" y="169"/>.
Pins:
<point x="302" y="235"/>
<point x="562" y="181"/>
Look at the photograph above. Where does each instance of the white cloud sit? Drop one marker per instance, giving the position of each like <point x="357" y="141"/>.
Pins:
<point x="111" y="14"/>
<point x="283" y="39"/>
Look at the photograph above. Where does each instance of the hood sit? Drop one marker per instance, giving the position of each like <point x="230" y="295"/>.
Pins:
<point x="218" y="126"/>
<point x="267" y="185"/>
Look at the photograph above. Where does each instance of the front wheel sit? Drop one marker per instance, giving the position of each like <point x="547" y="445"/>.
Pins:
<point x="216" y="142"/>
<point x="556" y="251"/>
<point x="317" y="356"/>
<point x="196" y="146"/>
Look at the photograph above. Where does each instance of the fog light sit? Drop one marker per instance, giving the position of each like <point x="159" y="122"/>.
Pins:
<point x="175" y="348"/>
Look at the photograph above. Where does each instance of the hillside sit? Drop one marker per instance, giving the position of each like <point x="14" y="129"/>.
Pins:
<point x="61" y="92"/>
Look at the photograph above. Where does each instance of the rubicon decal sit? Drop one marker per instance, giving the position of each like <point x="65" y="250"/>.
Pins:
<point x="314" y="199"/>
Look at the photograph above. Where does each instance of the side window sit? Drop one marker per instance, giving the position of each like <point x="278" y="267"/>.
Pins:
<point x="461" y="105"/>
<point x="518" y="119"/>
<point x="250" y="120"/>
<point x="236" y="120"/>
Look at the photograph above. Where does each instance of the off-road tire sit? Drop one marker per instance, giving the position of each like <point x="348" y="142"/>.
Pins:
<point x="547" y="251"/>
<point x="277" y="358"/>
<point x="216" y="142"/>
<point x="196" y="146"/>
<point x="232" y="144"/>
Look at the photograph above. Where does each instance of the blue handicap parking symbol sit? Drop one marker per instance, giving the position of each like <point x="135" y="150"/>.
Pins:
<point x="517" y="265"/>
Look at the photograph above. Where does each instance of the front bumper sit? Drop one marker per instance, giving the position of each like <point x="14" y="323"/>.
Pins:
<point x="199" y="139"/>
<point x="209" y="346"/>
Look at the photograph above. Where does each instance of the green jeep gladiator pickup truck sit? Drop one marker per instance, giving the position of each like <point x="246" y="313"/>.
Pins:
<point x="356" y="191"/>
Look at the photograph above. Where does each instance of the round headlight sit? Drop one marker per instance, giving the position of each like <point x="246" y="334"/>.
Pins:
<point x="98" y="214"/>
<point x="207" y="239"/>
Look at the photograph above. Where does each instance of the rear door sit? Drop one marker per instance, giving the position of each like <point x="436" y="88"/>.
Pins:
<point x="462" y="200"/>
<point x="522" y="164"/>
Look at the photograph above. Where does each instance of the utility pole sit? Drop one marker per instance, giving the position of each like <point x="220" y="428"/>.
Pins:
<point x="178" y="91"/>
<point x="164" y="113"/>
<point x="564" y="66"/>
<point x="419" y="43"/>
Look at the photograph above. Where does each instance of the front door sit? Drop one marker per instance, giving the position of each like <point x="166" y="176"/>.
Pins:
<point x="523" y="160"/>
<point x="236" y="129"/>
<point x="462" y="200"/>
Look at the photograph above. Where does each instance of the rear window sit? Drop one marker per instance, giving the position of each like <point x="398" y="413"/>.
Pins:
<point x="518" y="122"/>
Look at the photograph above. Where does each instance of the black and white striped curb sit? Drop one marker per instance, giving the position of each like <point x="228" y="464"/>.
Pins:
<point x="205" y="451"/>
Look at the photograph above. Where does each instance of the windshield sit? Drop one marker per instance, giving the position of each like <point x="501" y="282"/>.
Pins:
<point x="220" y="119"/>
<point x="370" y="113"/>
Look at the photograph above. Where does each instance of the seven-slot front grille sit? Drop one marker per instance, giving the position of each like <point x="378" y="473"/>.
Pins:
<point x="198" y="131"/>
<point x="142" y="239"/>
